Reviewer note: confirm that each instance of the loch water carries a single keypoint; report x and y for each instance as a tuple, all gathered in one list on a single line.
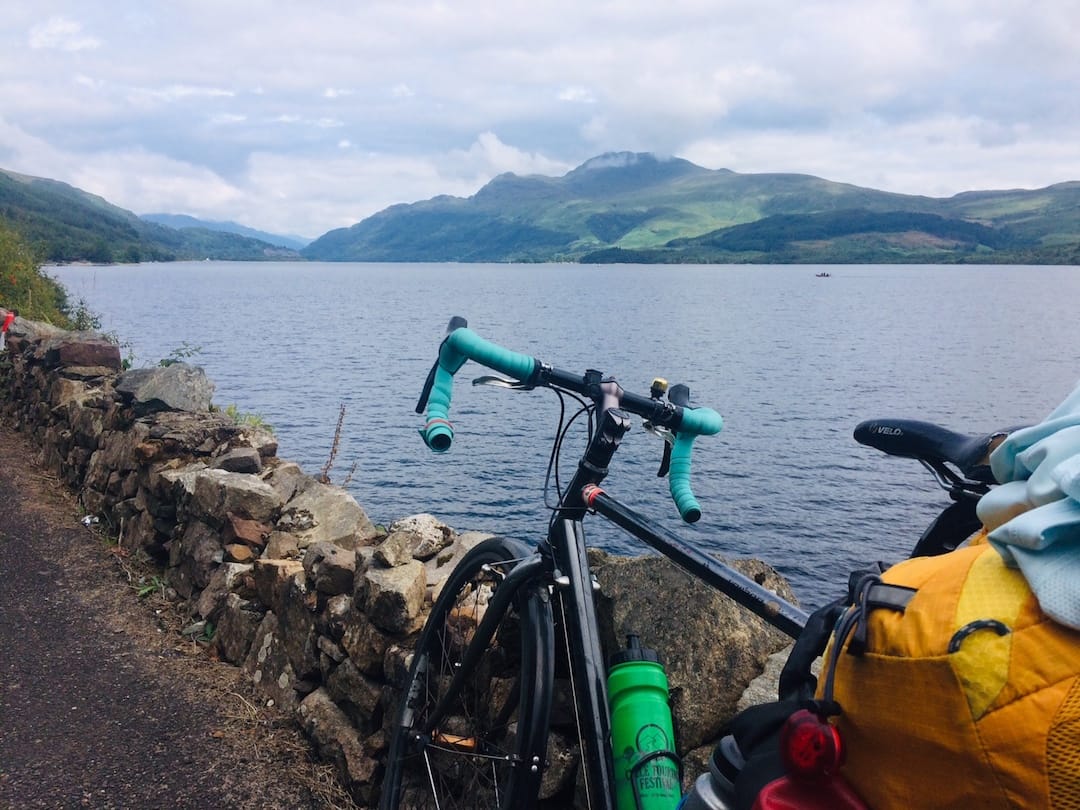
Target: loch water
[(790, 359)]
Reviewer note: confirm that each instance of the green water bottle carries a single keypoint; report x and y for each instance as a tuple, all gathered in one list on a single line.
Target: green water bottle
[(642, 738)]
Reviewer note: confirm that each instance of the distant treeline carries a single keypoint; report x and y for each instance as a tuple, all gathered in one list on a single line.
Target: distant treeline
[(779, 232), (64, 224)]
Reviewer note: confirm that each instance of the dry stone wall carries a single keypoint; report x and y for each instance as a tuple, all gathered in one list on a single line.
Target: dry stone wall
[(291, 579)]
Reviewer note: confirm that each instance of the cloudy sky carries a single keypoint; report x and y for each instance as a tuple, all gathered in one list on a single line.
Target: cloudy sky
[(298, 117)]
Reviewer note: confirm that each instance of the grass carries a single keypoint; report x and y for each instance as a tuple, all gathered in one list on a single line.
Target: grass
[(250, 419), (147, 585)]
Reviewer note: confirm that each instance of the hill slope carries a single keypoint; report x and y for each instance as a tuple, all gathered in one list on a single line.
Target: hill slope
[(65, 224), (638, 207), (184, 222)]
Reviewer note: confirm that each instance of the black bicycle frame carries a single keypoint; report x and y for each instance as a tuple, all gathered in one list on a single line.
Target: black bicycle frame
[(778, 612), (574, 587)]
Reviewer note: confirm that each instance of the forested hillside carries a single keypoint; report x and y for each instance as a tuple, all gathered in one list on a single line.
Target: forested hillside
[(629, 207), (64, 224), (623, 207)]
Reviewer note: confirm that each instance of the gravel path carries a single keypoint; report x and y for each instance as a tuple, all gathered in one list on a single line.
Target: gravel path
[(102, 703)]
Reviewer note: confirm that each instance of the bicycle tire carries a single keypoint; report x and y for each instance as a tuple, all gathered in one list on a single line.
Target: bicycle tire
[(489, 750)]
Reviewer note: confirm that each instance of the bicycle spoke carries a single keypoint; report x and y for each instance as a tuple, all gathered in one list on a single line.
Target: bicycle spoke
[(462, 749)]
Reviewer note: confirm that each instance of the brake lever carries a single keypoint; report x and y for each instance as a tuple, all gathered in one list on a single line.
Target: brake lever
[(677, 395), (665, 462), (669, 439), (425, 392), (502, 382)]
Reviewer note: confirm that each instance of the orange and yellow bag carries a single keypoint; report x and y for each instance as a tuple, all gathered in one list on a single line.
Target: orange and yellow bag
[(965, 696)]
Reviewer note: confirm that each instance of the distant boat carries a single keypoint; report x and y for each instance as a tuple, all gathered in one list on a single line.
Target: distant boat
[(821, 275)]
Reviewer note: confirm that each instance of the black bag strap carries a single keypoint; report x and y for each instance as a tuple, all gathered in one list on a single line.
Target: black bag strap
[(797, 682), (866, 592)]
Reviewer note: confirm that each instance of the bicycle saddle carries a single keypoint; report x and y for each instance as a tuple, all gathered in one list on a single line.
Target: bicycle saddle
[(932, 443)]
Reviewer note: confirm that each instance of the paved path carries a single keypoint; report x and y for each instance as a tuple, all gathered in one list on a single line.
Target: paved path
[(99, 707)]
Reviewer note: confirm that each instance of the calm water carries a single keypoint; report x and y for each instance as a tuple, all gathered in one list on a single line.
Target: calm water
[(791, 361)]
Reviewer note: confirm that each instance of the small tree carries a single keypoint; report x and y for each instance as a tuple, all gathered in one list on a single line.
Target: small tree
[(23, 286)]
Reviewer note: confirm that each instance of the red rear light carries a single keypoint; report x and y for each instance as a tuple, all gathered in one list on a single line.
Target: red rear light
[(811, 747)]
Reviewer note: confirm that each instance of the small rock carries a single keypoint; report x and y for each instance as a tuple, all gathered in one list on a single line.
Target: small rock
[(238, 552), (331, 568), (272, 577), (397, 548), (252, 532), (240, 460)]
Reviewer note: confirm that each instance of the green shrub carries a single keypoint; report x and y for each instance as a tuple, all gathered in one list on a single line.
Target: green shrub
[(23, 285)]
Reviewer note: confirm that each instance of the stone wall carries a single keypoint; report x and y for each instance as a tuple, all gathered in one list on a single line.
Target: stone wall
[(288, 576)]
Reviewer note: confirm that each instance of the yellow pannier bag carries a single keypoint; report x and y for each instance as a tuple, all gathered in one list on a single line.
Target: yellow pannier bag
[(965, 696)]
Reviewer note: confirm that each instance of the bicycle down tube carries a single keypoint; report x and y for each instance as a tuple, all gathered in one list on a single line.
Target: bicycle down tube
[(588, 673)]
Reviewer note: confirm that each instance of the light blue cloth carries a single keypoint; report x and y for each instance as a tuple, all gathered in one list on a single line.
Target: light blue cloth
[(1033, 518)]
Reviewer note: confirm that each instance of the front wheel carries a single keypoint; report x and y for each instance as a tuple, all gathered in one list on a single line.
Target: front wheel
[(486, 749)]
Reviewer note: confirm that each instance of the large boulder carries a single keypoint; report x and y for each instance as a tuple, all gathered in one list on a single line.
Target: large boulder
[(178, 387), (711, 647), (183, 434), (357, 694)]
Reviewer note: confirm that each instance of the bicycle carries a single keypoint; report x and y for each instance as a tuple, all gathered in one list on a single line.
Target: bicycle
[(472, 727), (478, 695)]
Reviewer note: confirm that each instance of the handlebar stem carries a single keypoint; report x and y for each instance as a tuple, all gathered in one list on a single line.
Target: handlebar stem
[(593, 467)]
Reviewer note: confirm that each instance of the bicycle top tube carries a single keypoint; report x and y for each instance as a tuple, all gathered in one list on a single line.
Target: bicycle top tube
[(462, 344)]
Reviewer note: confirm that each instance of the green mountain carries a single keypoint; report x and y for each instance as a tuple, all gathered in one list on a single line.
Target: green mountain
[(66, 224), (184, 222), (633, 207)]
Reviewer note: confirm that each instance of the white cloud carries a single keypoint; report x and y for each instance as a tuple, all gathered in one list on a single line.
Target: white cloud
[(331, 111), (60, 33), (576, 94), (177, 92), (150, 183), (354, 185), (89, 82), (32, 155), (134, 179), (901, 158), (595, 130), (489, 156)]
